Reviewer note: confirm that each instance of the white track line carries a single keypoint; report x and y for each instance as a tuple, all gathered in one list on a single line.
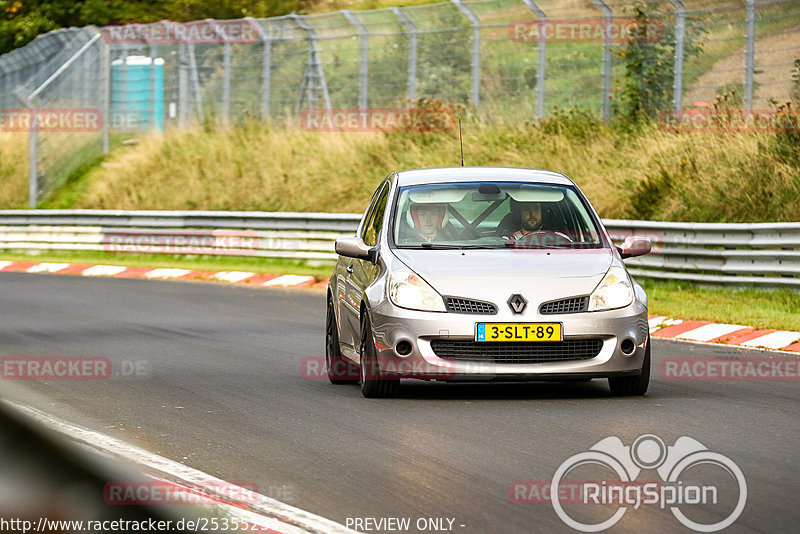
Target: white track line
[(710, 331), (166, 273), (287, 280), (293, 520), (47, 267), (103, 270), (775, 340), (233, 276)]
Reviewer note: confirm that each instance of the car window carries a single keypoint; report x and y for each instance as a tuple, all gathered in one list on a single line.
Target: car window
[(493, 215), (373, 227), (369, 213)]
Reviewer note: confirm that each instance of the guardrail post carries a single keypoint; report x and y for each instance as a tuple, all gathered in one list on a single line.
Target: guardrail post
[(476, 50), (411, 90), (680, 31), (750, 55), (542, 55), (363, 51), (608, 14)]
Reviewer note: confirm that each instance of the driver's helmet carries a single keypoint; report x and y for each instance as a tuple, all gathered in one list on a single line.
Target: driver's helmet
[(439, 211)]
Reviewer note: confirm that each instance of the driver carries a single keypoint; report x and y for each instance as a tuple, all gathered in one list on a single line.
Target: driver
[(531, 216)]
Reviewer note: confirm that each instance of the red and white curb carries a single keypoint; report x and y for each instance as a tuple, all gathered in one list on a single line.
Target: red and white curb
[(660, 326), (152, 273), (727, 334)]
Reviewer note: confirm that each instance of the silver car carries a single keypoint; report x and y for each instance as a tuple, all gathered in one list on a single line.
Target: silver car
[(475, 273)]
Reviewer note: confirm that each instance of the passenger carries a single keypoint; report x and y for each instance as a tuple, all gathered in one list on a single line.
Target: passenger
[(429, 224)]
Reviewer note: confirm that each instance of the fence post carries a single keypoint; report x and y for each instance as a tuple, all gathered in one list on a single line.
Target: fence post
[(411, 90), (680, 31), (183, 85), (476, 50), (104, 57), (313, 71), (750, 55), (266, 67), (226, 77), (152, 97), (33, 161), (363, 51), (608, 14), (198, 96), (542, 54)]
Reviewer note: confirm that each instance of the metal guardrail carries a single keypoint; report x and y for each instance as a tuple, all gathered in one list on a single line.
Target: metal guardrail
[(765, 254)]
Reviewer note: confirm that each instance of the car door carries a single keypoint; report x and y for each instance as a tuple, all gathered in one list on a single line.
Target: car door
[(352, 278)]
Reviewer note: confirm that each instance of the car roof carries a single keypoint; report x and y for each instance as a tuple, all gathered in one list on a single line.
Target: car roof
[(479, 174)]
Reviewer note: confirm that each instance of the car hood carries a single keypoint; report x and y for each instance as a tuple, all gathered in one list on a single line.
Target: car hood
[(494, 275)]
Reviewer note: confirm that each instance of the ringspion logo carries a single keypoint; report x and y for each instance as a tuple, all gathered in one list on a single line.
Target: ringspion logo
[(672, 463)]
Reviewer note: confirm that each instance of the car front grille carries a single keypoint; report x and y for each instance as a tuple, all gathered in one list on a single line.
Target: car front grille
[(458, 305), (511, 352), (571, 305)]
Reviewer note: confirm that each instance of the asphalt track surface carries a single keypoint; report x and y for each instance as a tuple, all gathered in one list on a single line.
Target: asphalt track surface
[(223, 392)]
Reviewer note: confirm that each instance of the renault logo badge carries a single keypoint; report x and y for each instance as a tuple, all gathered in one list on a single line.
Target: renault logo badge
[(517, 303)]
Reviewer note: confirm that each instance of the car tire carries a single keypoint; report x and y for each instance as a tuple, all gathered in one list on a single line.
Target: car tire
[(373, 384), (629, 386), (340, 369)]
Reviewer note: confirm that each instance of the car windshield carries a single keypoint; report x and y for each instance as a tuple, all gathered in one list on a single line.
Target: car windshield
[(493, 215)]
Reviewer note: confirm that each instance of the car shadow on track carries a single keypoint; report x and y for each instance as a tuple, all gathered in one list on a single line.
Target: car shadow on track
[(411, 389)]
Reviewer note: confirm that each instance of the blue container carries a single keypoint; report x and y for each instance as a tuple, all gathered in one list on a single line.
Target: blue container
[(137, 94)]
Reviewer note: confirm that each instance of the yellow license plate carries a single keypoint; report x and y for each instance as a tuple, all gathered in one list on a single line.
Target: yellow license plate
[(518, 332)]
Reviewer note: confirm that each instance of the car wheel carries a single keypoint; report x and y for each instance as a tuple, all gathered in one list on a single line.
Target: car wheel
[(340, 369), (372, 383), (628, 386)]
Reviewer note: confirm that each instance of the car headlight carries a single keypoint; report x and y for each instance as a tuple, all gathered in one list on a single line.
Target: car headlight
[(614, 291), (408, 290)]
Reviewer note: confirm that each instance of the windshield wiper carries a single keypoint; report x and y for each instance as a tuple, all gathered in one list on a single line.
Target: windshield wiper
[(457, 247)]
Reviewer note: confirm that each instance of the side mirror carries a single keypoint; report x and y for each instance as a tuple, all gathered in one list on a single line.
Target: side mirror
[(634, 246), (354, 247)]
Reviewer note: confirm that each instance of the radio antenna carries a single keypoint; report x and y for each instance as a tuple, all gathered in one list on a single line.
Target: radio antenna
[(461, 142)]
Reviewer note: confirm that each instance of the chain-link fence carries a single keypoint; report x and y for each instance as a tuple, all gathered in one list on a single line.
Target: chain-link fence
[(504, 58)]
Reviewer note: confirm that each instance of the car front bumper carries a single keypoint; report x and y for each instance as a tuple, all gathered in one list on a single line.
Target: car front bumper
[(393, 325)]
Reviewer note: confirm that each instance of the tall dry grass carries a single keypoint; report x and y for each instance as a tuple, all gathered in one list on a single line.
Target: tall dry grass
[(650, 175), (13, 170)]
